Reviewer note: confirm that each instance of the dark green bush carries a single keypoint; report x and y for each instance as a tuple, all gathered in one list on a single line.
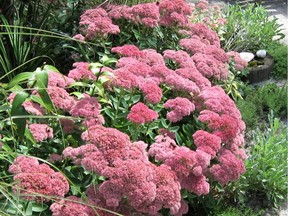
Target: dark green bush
[(258, 101), (248, 29), (265, 182), (279, 52)]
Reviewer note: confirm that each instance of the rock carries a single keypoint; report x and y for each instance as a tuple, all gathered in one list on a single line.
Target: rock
[(261, 53), (246, 56)]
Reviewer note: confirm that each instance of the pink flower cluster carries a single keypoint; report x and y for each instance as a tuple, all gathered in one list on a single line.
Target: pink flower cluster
[(89, 108), (224, 121), (72, 206), (147, 188), (81, 71), (240, 64), (180, 107), (29, 106), (96, 23), (37, 181), (210, 15), (141, 114), (172, 12), (41, 132), (188, 165), (146, 69)]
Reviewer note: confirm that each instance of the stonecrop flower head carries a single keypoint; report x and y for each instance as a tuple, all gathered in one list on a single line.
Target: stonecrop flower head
[(30, 106), (89, 108), (240, 64), (59, 80), (41, 132), (180, 107), (152, 92), (81, 71), (96, 22), (146, 14), (71, 206), (229, 169), (141, 114), (37, 181), (61, 98), (207, 142), (174, 12)]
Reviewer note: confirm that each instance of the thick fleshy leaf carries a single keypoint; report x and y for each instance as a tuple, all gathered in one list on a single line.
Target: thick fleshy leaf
[(41, 84), (17, 111)]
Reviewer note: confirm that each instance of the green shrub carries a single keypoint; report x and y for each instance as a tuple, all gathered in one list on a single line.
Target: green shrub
[(248, 29), (279, 52), (265, 181), (258, 101), (237, 212)]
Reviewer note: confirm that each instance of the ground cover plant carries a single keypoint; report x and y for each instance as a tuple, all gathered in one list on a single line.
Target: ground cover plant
[(138, 125)]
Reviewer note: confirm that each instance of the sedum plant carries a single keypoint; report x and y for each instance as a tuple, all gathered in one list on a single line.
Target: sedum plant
[(144, 130)]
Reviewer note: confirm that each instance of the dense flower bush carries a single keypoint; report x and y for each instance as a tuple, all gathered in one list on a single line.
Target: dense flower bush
[(147, 127)]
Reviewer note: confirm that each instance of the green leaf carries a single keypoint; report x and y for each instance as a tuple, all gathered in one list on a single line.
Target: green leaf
[(19, 78), (29, 136), (39, 207), (28, 211), (18, 110), (50, 68), (42, 83)]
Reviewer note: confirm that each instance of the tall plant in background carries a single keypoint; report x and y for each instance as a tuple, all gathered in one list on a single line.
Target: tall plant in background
[(248, 28), (26, 40)]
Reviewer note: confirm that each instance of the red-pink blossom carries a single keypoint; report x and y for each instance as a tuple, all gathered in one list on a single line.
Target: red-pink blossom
[(124, 78), (152, 92), (151, 57), (59, 80), (229, 169), (206, 35), (193, 45), (182, 161), (81, 71), (89, 108), (96, 23), (127, 51), (79, 37), (207, 142), (30, 106), (33, 108), (37, 181), (106, 138), (194, 75), (180, 107), (196, 184), (71, 206), (162, 148), (181, 57), (240, 64), (182, 84), (174, 12), (217, 53), (61, 98), (146, 14), (210, 67), (41, 132), (23, 164), (141, 114), (130, 178)]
